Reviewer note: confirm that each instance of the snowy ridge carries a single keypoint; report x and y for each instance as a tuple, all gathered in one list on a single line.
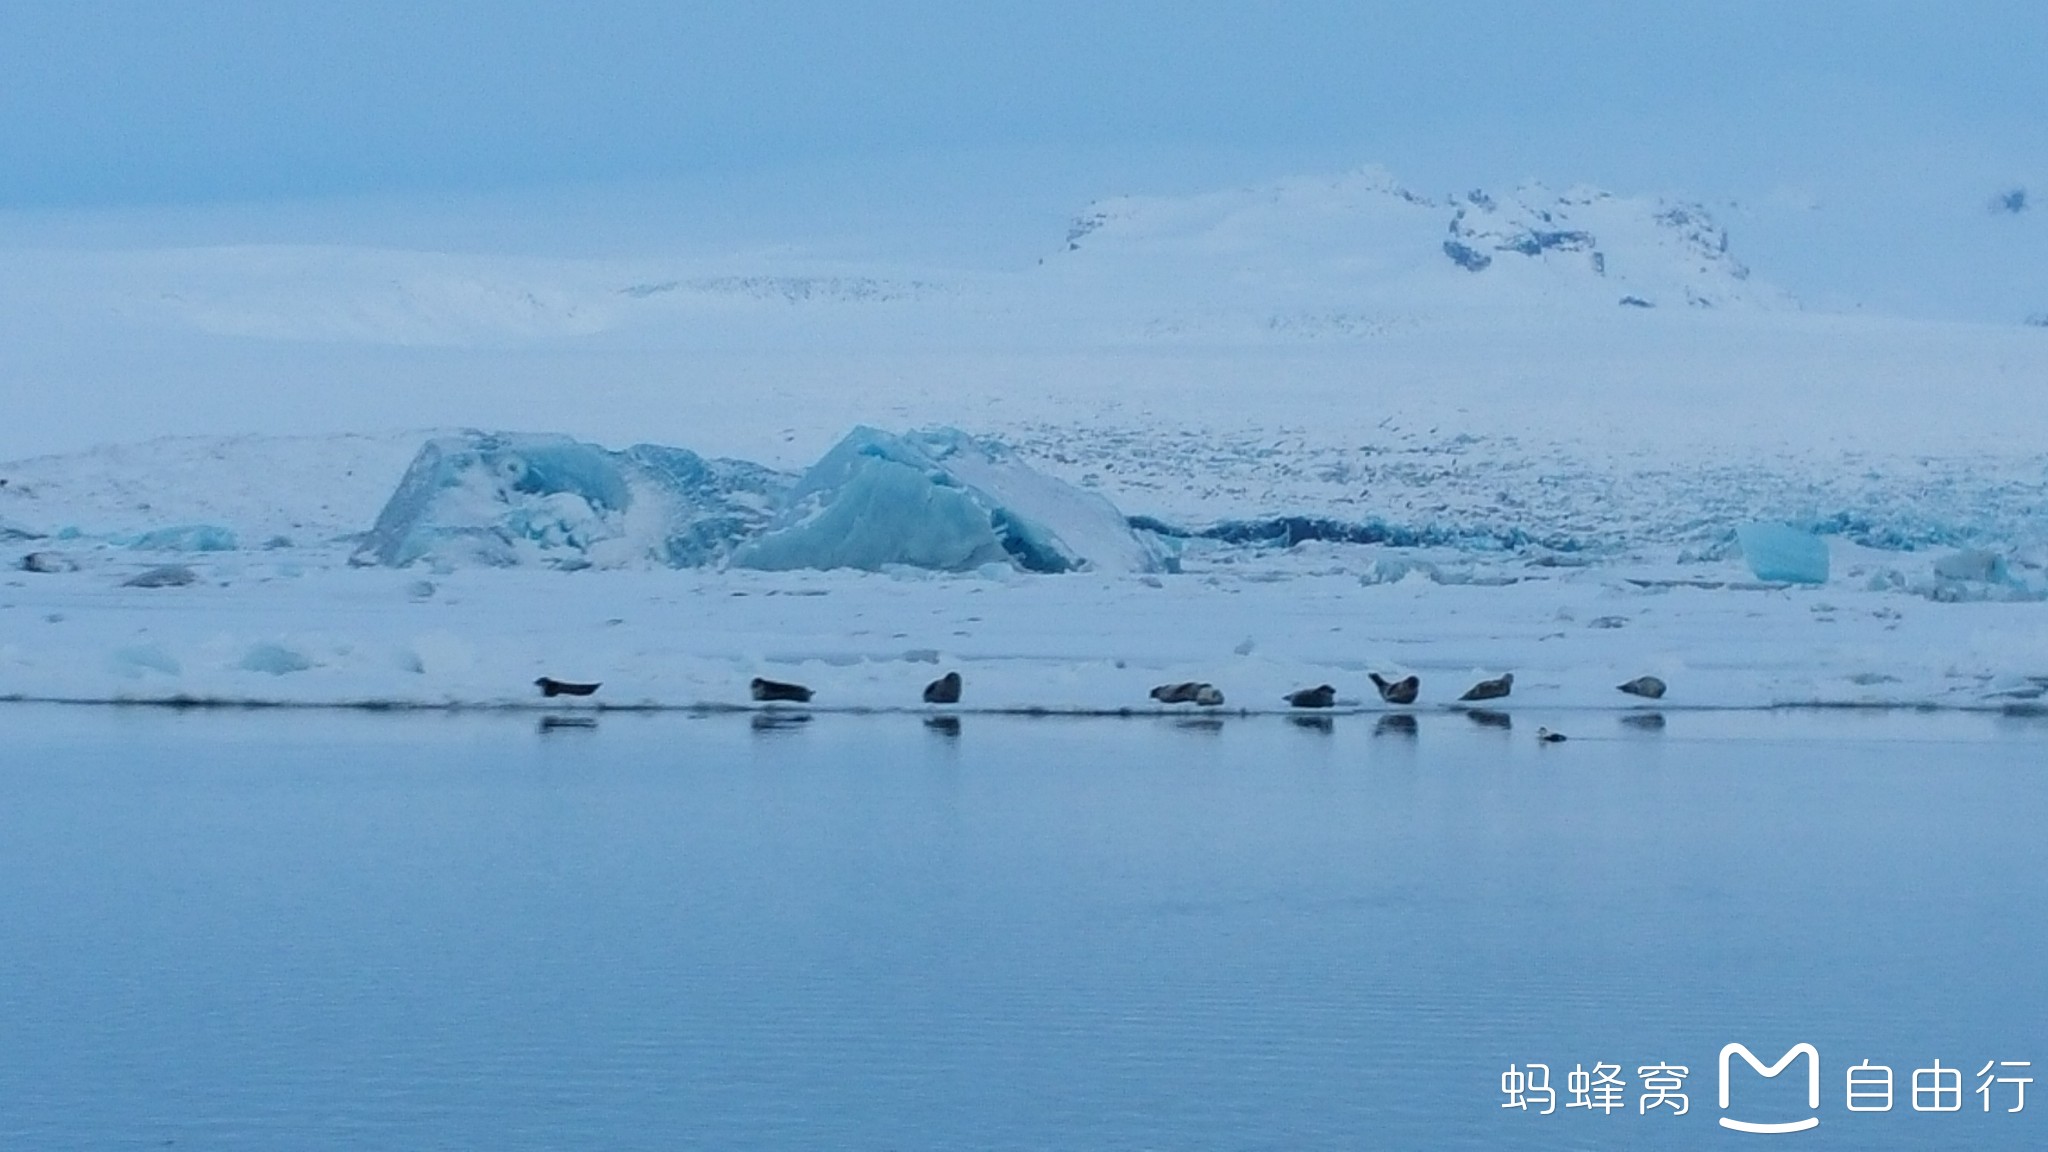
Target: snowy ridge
[(1360, 255), (1350, 257)]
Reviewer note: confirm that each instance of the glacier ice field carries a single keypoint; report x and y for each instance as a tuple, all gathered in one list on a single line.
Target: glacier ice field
[(937, 499)]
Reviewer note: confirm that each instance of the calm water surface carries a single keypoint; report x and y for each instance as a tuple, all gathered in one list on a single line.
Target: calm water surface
[(274, 931)]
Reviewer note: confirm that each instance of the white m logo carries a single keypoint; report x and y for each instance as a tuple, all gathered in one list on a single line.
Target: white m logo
[(1784, 1062)]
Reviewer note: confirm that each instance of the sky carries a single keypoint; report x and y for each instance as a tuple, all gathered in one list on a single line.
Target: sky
[(414, 123), (105, 104)]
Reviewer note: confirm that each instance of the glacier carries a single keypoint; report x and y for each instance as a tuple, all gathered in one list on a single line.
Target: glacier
[(937, 499), (945, 500), (509, 499)]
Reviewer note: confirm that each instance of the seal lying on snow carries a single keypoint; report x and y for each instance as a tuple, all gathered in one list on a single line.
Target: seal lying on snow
[(773, 690), (944, 690), (1490, 689), (1321, 696), (549, 686), (1189, 692), (1646, 686), (1400, 691)]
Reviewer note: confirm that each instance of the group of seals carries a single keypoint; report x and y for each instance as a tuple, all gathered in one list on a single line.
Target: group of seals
[(946, 690), (1402, 691), (1407, 688)]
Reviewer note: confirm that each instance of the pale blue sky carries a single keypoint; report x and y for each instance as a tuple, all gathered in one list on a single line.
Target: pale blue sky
[(142, 102)]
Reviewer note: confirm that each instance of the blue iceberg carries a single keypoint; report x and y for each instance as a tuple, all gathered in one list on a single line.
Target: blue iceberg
[(1783, 554), (508, 499), (941, 499), (187, 538), (937, 499)]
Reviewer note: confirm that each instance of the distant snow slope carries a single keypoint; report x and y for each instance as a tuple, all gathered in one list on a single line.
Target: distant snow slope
[(1305, 259), (308, 489), (1359, 254)]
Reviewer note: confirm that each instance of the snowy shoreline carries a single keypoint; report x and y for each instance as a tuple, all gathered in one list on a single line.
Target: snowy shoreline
[(1650, 715), (272, 631)]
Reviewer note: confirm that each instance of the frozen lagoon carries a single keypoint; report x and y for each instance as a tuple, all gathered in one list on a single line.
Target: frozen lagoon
[(328, 930)]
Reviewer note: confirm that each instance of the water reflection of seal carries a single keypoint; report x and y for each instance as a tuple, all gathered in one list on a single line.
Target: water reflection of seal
[(944, 690), (1400, 691), (778, 690), (1397, 724)]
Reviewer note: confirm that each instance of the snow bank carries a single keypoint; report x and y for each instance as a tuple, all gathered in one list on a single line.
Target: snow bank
[(944, 500), (693, 638)]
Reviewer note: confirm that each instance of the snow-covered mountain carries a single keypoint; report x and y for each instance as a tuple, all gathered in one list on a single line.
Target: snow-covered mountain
[(1365, 242), (1350, 256)]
